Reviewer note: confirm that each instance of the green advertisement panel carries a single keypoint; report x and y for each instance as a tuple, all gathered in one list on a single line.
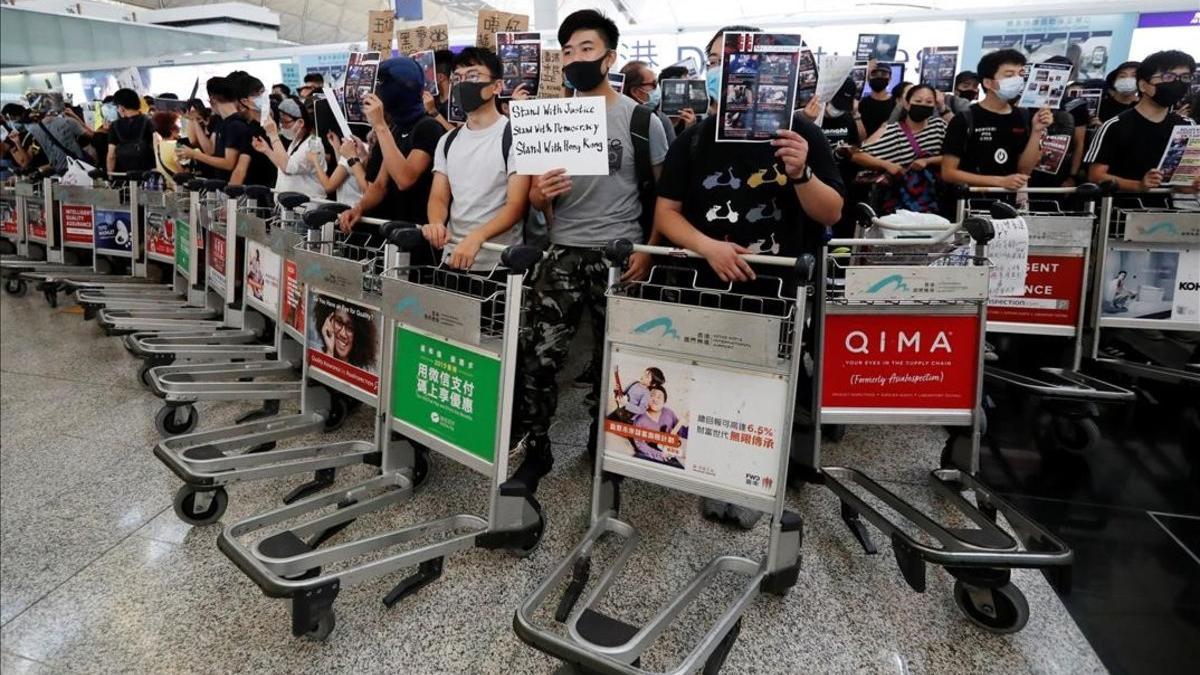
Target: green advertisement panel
[(183, 250), (447, 391)]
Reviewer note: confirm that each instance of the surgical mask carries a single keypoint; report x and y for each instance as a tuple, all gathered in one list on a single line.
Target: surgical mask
[(470, 95), (878, 84), (920, 113), (655, 98), (712, 83), (1125, 85), (108, 112), (584, 75), (1168, 94), (287, 133), (1010, 87)]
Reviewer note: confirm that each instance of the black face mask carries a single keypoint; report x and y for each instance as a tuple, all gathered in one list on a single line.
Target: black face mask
[(878, 84), (470, 95), (1168, 94), (920, 113), (969, 94), (584, 75)]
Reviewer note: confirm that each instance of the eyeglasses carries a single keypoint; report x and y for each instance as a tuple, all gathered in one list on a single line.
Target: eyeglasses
[(471, 77), (342, 326), (1186, 78)]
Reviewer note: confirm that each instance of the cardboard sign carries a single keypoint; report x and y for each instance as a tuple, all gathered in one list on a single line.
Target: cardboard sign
[(77, 223), (1052, 287), (886, 360), (560, 133), (520, 61), (361, 72), (413, 39), (1180, 162), (492, 21), (380, 25), (680, 94), (881, 47), (550, 81), (759, 72), (1045, 85)]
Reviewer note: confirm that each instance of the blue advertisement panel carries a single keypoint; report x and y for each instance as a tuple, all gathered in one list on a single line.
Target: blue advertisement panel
[(113, 230), (1095, 44)]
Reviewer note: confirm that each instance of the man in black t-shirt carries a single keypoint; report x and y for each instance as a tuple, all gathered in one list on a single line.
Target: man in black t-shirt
[(131, 136), (993, 144), (250, 95), (210, 154), (877, 108), (839, 124), (1128, 147)]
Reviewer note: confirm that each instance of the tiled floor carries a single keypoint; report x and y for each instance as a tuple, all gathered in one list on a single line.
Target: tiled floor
[(98, 575)]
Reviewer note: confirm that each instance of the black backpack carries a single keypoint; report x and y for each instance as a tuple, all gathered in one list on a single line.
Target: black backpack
[(132, 153), (639, 131), (505, 144)]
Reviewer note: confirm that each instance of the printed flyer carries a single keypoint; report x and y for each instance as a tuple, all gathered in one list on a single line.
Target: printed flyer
[(1180, 163), (1054, 151), (160, 235), (1044, 85), (938, 66), (77, 224), (806, 80), (262, 277), (113, 231), (881, 47), (426, 61), (520, 62), (712, 424), (343, 341), (361, 72), (759, 72)]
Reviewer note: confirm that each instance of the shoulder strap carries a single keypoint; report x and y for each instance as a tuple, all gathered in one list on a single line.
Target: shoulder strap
[(912, 139), (449, 139), (505, 143), (639, 130), (57, 143)]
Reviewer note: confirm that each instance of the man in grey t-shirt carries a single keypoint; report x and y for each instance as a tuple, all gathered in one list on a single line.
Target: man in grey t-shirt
[(584, 214)]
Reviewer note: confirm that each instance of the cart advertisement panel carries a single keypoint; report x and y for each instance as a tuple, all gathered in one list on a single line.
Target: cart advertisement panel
[(446, 390), (8, 219), (1179, 227), (262, 277), (35, 221), (183, 252), (160, 235), (1156, 284), (293, 297), (712, 424), (343, 341), (114, 231), (216, 261), (892, 360), (77, 223), (1052, 287)]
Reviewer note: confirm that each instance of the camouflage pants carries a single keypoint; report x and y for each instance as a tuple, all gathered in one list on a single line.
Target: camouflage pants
[(565, 283)]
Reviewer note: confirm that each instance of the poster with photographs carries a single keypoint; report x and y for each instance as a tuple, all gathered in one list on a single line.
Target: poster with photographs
[(426, 61), (1152, 283), (1054, 151), (1180, 163), (938, 66), (1045, 84), (714, 425), (1092, 98), (859, 74), (520, 62), (806, 81), (361, 72), (758, 85), (680, 95), (878, 46), (454, 109), (263, 267), (344, 341)]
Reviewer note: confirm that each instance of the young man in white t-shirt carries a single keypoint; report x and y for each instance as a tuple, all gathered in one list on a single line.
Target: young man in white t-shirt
[(476, 195)]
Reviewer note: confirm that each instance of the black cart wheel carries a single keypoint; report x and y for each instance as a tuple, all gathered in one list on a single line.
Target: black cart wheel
[(420, 465), (1076, 435), (167, 421), (50, 292), (339, 409), (16, 287), (535, 537), (185, 505), (143, 373), (1007, 611), (322, 628)]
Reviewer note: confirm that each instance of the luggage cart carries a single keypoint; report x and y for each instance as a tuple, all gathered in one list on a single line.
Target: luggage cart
[(40, 250), (465, 325), (741, 355), (1063, 401), (12, 237), (267, 235), (1146, 286), (208, 461), (900, 340)]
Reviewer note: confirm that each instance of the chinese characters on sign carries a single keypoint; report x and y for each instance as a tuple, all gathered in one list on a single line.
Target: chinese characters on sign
[(415, 39), (491, 22), (379, 31), (550, 85)]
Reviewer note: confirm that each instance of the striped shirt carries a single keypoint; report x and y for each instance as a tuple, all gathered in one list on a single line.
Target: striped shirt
[(893, 145)]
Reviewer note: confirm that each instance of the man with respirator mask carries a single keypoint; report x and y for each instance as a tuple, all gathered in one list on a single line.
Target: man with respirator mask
[(584, 214), (993, 143), (476, 195), (1128, 147)]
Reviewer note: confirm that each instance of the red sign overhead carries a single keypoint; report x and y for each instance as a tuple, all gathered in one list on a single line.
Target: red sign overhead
[(900, 361), (1052, 287)]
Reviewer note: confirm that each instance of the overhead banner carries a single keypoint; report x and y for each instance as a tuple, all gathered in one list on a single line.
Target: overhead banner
[(1094, 44)]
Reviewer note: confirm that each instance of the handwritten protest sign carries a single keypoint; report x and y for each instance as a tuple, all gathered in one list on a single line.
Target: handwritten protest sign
[(413, 39), (550, 84), (492, 21), (379, 31), (560, 133)]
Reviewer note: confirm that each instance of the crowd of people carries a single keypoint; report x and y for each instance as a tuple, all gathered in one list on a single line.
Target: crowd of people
[(669, 181)]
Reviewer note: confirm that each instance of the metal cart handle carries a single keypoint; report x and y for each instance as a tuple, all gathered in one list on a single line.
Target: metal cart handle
[(518, 258), (619, 250), (1084, 189), (980, 229)]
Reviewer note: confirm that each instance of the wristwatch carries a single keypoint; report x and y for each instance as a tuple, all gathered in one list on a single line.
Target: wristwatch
[(352, 162), (806, 176)]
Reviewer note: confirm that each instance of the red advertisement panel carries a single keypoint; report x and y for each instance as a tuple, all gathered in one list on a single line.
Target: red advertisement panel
[(216, 253), (160, 234), (8, 219), (35, 220), (900, 361), (343, 371), (293, 297), (1052, 287), (77, 223)]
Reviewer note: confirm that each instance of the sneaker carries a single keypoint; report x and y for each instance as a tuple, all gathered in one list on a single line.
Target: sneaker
[(537, 461)]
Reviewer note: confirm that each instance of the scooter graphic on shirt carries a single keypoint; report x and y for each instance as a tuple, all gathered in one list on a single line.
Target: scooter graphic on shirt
[(761, 212), (714, 213), (714, 181), (761, 246), (760, 177)]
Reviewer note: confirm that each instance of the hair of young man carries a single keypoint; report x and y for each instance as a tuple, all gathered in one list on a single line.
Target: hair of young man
[(673, 73), (218, 90), (478, 56), (990, 64), (283, 88), (244, 85), (15, 110), (443, 62), (729, 29), (128, 99), (1164, 61), (315, 78), (898, 89), (589, 19)]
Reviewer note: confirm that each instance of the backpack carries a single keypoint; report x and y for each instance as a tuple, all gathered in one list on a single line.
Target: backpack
[(131, 153), (505, 144), (639, 131)]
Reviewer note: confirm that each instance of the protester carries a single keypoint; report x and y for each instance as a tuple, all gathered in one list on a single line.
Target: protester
[(876, 108), (131, 137), (839, 124), (438, 106), (1070, 126), (211, 152), (584, 214), (992, 143), (240, 129), (314, 83), (55, 135), (289, 146), (642, 86), (909, 151), (1120, 91), (966, 91), (25, 149), (166, 137), (477, 196), (348, 181), (281, 90)]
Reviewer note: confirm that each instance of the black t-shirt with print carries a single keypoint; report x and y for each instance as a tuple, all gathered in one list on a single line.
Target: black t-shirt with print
[(875, 112), (239, 134), (840, 129), (411, 204), (995, 144), (1131, 145), (738, 192)]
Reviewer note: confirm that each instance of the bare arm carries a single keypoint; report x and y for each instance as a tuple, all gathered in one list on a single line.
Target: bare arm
[(1098, 173), (239, 172), (1080, 137)]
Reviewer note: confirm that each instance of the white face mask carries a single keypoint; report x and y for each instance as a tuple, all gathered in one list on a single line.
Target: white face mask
[(1010, 87), (833, 111), (1125, 85)]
